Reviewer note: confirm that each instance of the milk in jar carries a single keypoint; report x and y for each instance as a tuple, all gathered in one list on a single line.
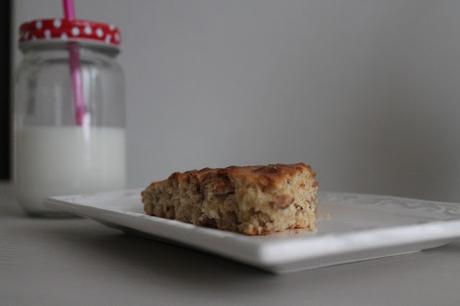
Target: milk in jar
[(67, 160)]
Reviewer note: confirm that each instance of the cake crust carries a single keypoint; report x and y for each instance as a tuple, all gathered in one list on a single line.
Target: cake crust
[(252, 200)]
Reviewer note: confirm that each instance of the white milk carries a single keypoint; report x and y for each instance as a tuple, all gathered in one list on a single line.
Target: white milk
[(67, 160)]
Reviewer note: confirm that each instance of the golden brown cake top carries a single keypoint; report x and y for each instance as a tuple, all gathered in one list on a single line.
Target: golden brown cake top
[(267, 177)]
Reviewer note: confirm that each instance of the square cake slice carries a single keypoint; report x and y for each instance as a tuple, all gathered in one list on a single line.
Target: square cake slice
[(253, 200)]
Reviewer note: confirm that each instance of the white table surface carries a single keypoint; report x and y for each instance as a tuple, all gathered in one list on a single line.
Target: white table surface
[(79, 262)]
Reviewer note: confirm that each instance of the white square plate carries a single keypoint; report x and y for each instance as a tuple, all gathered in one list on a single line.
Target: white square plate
[(351, 227)]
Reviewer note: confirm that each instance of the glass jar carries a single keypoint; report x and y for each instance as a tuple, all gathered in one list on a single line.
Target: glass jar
[(69, 112)]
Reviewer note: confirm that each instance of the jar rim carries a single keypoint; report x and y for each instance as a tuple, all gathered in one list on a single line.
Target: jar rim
[(33, 45)]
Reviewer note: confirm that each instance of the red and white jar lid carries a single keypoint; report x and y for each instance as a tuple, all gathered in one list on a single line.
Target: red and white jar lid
[(60, 29)]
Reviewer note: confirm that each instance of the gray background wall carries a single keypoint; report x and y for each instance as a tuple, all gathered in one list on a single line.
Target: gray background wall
[(366, 91)]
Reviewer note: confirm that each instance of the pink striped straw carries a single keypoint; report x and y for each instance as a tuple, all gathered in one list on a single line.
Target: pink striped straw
[(75, 71)]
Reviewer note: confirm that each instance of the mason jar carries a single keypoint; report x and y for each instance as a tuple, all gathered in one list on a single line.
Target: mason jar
[(69, 112)]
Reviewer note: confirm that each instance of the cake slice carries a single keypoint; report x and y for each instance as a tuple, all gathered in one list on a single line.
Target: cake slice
[(252, 200)]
